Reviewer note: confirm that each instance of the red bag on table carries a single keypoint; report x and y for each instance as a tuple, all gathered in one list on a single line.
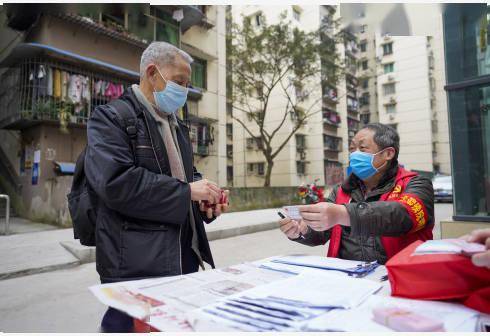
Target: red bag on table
[(439, 277)]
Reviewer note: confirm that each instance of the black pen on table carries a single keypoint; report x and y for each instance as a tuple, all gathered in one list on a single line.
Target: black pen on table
[(283, 216)]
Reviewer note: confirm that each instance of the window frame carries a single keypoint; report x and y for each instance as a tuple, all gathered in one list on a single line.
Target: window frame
[(204, 64), (388, 106), (391, 65), (388, 47), (385, 86)]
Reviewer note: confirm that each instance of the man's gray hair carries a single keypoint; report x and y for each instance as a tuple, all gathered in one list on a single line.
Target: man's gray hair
[(162, 54), (385, 136)]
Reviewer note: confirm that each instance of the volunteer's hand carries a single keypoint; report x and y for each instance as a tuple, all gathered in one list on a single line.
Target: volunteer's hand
[(483, 237), (323, 216), (292, 228), (205, 190)]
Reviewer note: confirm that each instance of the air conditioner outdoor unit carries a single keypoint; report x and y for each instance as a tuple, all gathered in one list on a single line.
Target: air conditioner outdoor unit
[(302, 155), (392, 117), (230, 153), (391, 78), (392, 100)]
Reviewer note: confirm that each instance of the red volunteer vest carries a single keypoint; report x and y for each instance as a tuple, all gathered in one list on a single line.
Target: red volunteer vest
[(416, 209)]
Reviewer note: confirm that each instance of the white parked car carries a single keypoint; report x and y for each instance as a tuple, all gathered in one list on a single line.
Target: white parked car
[(443, 188)]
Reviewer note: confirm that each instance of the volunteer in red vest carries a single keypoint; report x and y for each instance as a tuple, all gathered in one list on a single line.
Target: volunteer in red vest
[(377, 211)]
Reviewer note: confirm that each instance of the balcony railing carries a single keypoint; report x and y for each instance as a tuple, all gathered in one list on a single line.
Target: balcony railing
[(46, 90), (352, 124), (352, 105), (331, 117), (201, 134), (202, 150), (332, 143), (330, 95)]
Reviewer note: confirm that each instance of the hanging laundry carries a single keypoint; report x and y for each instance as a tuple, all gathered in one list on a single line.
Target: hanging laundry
[(41, 81), (75, 89), (57, 83), (32, 83), (86, 89), (98, 87), (112, 91), (50, 81), (64, 85)]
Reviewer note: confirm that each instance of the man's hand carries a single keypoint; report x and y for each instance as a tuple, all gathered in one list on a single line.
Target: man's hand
[(323, 216), (482, 237), (205, 190), (216, 209), (292, 228)]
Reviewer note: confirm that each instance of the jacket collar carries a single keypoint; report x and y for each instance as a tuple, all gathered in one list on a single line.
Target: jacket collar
[(130, 97)]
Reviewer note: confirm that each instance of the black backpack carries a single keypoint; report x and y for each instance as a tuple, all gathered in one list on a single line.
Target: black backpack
[(82, 199)]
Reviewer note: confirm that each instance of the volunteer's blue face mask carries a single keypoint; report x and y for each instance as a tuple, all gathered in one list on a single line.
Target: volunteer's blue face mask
[(172, 97), (361, 164)]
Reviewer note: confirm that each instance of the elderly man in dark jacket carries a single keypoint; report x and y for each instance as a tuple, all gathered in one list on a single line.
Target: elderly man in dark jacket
[(149, 217), (377, 211)]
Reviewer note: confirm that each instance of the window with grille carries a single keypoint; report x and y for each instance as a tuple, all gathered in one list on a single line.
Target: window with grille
[(198, 75), (300, 142), (296, 14), (301, 167), (389, 67), (388, 49), (363, 46), (260, 168), (388, 89), (391, 108), (229, 151)]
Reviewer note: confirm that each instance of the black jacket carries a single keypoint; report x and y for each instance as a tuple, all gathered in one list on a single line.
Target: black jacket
[(143, 227), (370, 218)]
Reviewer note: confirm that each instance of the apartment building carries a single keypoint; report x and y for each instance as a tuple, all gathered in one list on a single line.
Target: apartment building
[(402, 78), (43, 119), (411, 96), (367, 72)]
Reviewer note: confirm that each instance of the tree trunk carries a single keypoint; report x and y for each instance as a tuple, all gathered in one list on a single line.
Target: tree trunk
[(268, 172)]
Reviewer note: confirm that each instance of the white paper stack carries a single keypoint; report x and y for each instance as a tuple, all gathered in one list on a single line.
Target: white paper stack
[(284, 305)]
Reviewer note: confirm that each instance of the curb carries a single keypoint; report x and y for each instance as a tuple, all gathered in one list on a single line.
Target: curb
[(32, 271), (240, 230)]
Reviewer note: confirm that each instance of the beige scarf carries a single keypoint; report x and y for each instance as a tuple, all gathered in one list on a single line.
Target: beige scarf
[(167, 125)]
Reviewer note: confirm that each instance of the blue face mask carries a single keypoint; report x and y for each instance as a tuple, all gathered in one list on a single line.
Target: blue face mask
[(361, 164), (171, 98)]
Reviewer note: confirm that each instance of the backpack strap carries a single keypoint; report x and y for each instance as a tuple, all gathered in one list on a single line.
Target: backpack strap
[(128, 117)]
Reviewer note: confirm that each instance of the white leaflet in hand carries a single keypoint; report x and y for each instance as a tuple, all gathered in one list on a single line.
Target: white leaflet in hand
[(292, 211)]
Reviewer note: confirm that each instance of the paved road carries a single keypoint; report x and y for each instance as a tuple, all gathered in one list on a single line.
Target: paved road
[(59, 301)]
